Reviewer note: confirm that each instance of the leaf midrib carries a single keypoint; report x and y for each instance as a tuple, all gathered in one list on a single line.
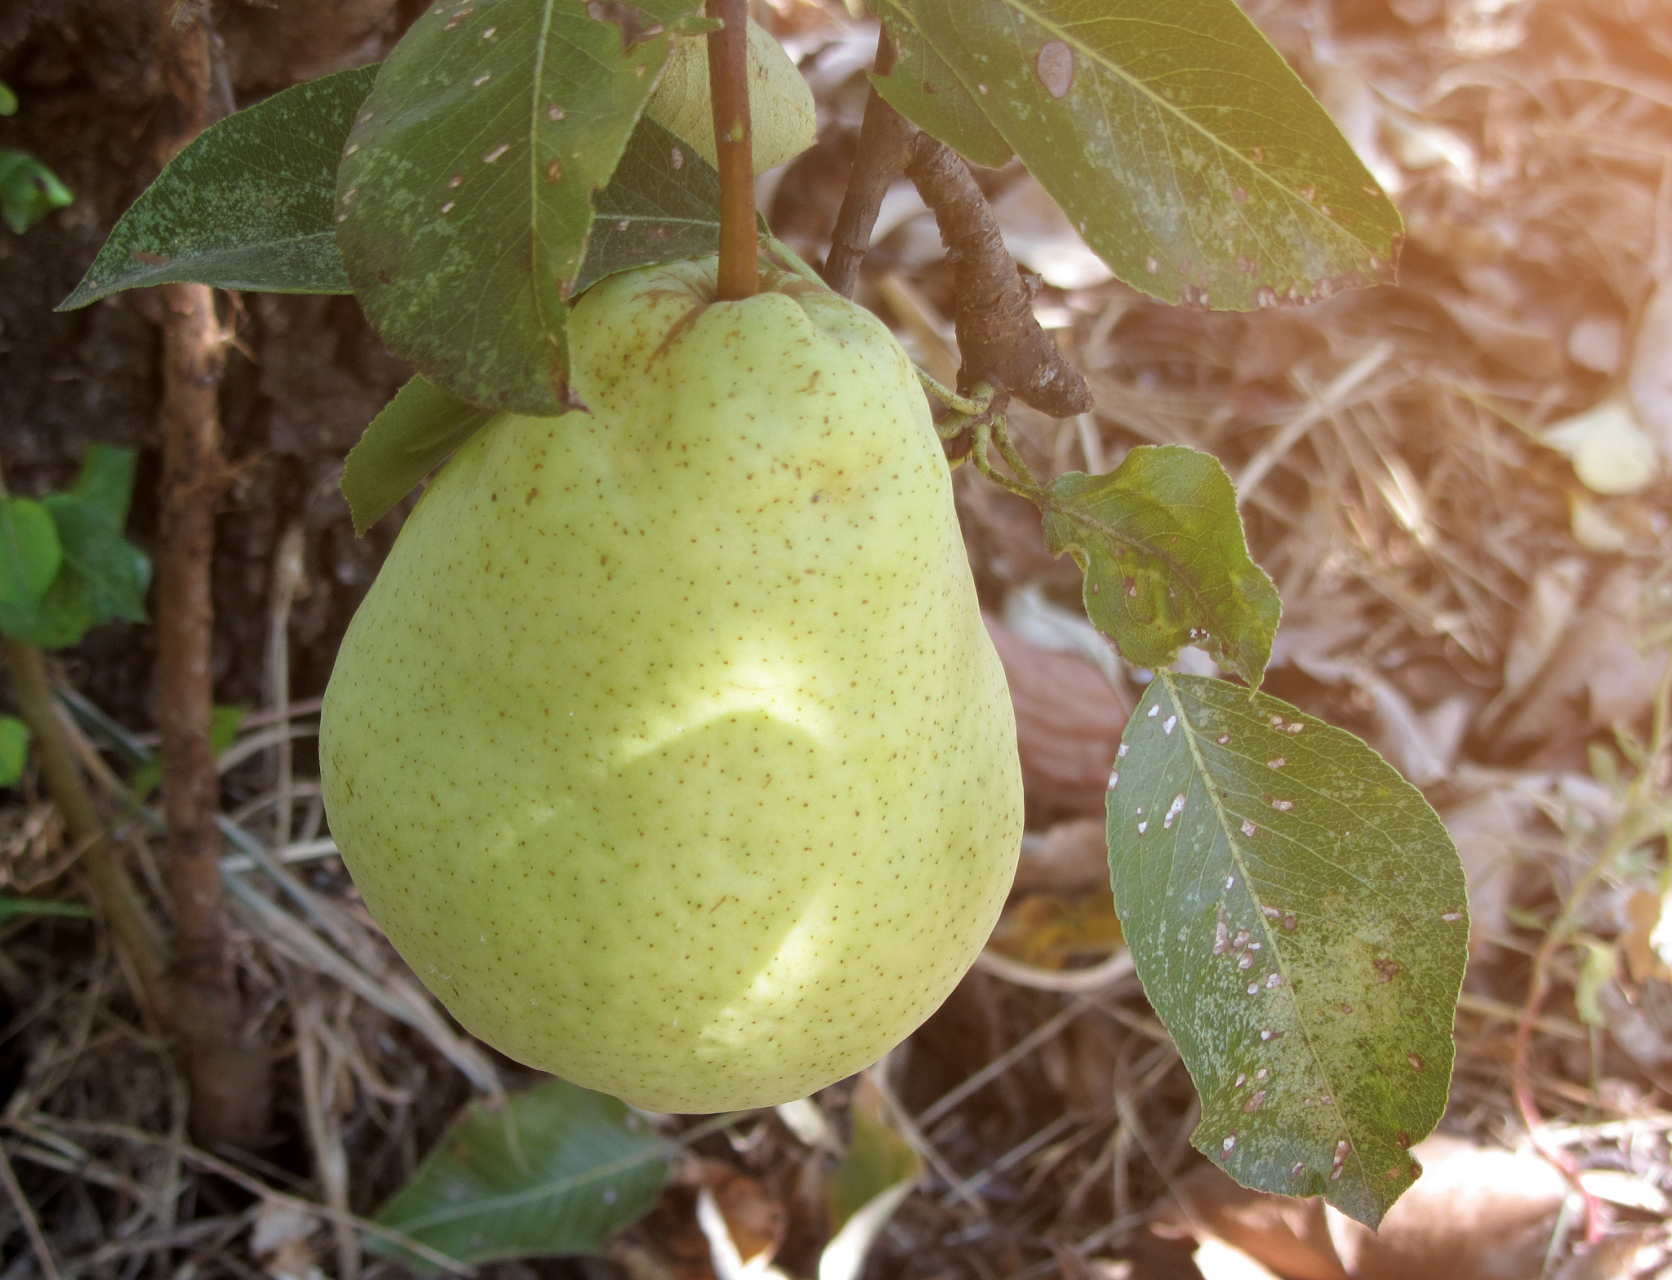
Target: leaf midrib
[(517, 1199), (535, 208), (1271, 939)]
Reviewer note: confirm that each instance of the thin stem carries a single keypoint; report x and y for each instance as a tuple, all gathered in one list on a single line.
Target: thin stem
[(136, 932), (979, 400), (728, 87), (885, 142), (1012, 455), (31, 1224), (1627, 831), (1021, 488)]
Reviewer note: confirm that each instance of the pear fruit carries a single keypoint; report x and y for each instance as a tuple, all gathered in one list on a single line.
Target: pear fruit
[(783, 119), (668, 747)]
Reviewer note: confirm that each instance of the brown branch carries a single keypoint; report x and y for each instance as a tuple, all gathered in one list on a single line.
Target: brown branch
[(728, 87), (998, 337), (229, 1076), (885, 148)]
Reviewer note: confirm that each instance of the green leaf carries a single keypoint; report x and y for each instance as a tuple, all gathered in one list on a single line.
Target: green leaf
[(925, 90), (1166, 565), (28, 190), (867, 1186), (113, 570), (247, 205), (877, 1159), (662, 205), (413, 435), (62, 615), (14, 749), (1297, 914), (107, 481), (1191, 158), (224, 723), (465, 195), (29, 552), (8, 100), (555, 1170), (101, 575), (11, 907), (1596, 971)]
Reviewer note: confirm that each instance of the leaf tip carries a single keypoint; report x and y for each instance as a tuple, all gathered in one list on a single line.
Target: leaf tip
[(85, 293)]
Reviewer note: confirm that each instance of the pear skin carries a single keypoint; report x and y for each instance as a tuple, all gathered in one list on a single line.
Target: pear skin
[(668, 747)]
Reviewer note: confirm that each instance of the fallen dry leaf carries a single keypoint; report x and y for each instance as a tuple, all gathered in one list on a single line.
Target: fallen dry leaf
[(1640, 1021), (1642, 912), (1597, 342), (1624, 1255), (1491, 831), (1475, 1214), (1068, 724), (1609, 447), (1285, 1235), (1070, 857), (1595, 679), (1649, 379), (1050, 930)]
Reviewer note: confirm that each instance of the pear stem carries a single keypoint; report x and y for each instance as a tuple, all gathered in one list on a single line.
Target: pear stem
[(728, 87)]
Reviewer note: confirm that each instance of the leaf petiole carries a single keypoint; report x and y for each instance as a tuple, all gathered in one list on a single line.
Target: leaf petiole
[(993, 433), (978, 402)]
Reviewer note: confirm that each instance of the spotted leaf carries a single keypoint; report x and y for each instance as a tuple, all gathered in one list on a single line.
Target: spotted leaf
[(924, 89), (1166, 564), (1176, 139), (1297, 915), (247, 205), (464, 202)]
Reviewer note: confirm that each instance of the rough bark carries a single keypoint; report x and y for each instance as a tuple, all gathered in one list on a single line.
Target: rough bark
[(1000, 341), (229, 1075), (885, 147), (998, 337)]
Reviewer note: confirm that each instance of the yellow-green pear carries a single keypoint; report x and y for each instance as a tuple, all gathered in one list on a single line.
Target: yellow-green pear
[(669, 748), (782, 117)]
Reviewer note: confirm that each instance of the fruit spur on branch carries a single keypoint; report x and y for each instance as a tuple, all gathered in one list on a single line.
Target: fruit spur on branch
[(669, 747)]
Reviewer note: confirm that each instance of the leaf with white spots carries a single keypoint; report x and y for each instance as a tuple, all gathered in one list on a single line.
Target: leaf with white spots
[(924, 89), (1191, 158), (1166, 565), (465, 194), (247, 205), (551, 1171), (662, 204), (1297, 914)]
